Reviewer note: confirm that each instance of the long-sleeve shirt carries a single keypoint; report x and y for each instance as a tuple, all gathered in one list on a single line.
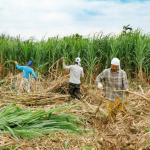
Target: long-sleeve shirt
[(113, 81), (75, 73), (26, 71)]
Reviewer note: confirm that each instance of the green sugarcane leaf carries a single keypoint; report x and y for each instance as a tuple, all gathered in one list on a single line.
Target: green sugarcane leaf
[(3, 110), (11, 132), (7, 111), (66, 145), (25, 122), (27, 133)]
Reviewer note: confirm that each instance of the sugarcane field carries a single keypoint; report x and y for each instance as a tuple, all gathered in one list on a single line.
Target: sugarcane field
[(81, 93)]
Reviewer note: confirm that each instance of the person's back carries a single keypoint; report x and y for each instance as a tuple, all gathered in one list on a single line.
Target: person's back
[(26, 71), (76, 72)]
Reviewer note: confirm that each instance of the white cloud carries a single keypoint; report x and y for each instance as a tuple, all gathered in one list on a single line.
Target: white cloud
[(65, 17)]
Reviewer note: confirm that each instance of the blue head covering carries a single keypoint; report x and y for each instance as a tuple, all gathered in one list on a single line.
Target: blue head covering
[(30, 63)]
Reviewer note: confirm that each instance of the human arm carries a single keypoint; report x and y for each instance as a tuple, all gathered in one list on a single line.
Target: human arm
[(33, 73), (125, 84), (64, 65), (82, 73), (125, 81), (99, 79), (19, 67)]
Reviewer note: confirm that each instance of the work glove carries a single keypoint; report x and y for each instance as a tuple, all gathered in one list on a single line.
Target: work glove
[(100, 86), (15, 62)]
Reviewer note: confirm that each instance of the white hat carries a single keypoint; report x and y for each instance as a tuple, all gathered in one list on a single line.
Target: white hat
[(77, 60), (115, 61)]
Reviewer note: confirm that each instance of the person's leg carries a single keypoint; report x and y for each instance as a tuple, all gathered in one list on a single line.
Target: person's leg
[(21, 84), (71, 90), (112, 111), (28, 85), (121, 107), (77, 92)]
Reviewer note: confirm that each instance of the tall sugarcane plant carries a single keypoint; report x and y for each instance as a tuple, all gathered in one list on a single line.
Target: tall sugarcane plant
[(131, 47), (141, 53)]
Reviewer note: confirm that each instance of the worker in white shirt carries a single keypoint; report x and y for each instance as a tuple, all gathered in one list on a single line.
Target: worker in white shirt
[(76, 72)]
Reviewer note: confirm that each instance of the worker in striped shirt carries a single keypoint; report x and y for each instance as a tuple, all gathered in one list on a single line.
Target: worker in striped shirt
[(114, 79)]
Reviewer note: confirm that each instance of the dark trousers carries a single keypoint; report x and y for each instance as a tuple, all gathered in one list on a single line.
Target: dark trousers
[(74, 90)]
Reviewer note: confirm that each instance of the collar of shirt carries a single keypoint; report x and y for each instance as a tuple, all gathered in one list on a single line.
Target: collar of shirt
[(115, 72)]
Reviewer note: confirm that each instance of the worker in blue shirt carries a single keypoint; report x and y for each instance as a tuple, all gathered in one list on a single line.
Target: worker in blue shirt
[(27, 72)]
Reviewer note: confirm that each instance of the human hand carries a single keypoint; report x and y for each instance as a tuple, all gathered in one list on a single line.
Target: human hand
[(15, 62), (63, 59), (100, 86)]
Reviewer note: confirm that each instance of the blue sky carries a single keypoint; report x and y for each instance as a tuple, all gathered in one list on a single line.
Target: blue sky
[(30, 18)]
